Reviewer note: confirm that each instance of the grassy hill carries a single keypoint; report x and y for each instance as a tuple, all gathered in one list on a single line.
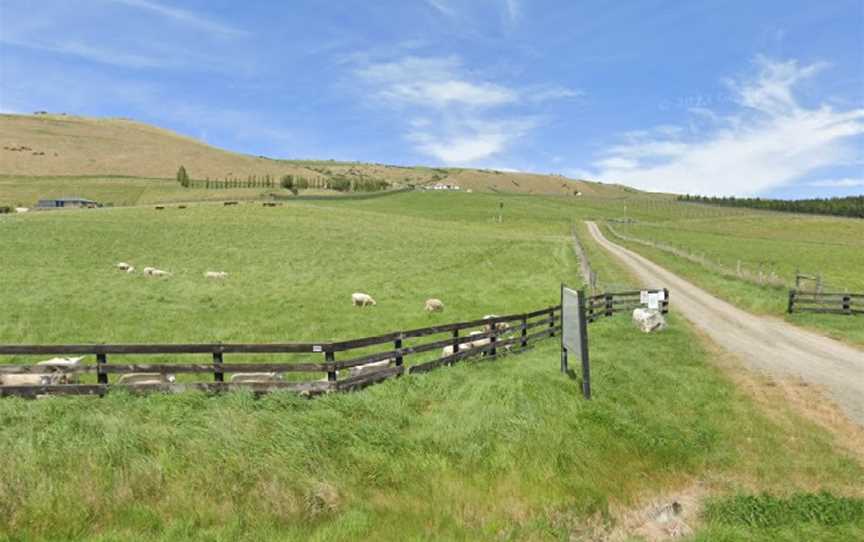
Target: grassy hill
[(55, 148), (502, 450)]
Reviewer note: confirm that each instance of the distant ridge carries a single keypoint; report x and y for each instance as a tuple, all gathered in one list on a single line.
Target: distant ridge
[(66, 145)]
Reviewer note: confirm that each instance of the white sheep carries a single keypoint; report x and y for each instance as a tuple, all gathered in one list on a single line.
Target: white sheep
[(216, 275), (123, 266), (359, 299), (253, 378), (62, 377), (370, 367), (153, 272), (143, 379), (500, 327), (39, 379), (434, 305)]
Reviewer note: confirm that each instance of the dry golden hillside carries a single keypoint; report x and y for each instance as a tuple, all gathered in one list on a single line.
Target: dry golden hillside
[(63, 145)]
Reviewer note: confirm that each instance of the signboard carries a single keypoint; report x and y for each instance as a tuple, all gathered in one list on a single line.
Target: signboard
[(574, 334), (652, 298), (571, 316)]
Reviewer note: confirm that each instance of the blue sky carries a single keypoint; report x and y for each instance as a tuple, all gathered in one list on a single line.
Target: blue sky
[(711, 97)]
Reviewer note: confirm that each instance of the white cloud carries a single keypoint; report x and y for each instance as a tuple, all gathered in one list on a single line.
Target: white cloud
[(838, 183), (770, 142), (433, 82), (95, 54), (451, 112), (468, 141), (442, 6), (186, 17), (513, 9)]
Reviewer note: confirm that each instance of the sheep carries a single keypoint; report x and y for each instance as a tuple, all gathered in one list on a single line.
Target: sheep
[(62, 377), (40, 379), (123, 266), (216, 275), (143, 379), (22, 209), (434, 305), (450, 349), (359, 299), (500, 327), (153, 272), (370, 367), (254, 378)]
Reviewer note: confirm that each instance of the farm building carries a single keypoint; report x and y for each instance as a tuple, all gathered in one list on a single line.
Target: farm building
[(66, 203)]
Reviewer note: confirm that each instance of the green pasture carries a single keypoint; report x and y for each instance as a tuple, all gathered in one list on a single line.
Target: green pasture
[(484, 450)]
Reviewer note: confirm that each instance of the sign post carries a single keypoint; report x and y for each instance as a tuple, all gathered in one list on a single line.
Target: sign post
[(574, 334)]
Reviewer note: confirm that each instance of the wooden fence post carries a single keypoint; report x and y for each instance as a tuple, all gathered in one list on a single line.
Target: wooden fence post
[(397, 345), (665, 304), (791, 307), (524, 343), (101, 376), (493, 339), (218, 375), (583, 343), (847, 304), (330, 357), (455, 345), (552, 323), (609, 305)]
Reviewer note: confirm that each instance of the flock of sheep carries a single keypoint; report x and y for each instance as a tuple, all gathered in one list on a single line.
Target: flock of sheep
[(53, 376), (154, 272), (359, 299)]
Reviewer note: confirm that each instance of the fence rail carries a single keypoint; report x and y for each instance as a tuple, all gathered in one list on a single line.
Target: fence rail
[(822, 302), (607, 304), (496, 334)]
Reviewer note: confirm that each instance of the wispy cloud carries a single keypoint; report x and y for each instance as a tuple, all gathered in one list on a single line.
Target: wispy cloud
[(838, 183), (95, 54), (432, 82), (451, 115), (513, 10), (442, 6), (771, 141), (510, 11), (189, 18)]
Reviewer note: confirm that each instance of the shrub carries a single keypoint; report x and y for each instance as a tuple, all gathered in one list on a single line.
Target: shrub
[(182, 177)]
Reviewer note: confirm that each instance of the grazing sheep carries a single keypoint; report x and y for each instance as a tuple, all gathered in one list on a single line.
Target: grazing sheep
[(153, 272), (478, 343), (21, 209), (216, 275), (500, 327), (434, 305), (254, 378), (40, 379), (62, 377), (143, 379), (370, 367), (359, 299), (123, 266)]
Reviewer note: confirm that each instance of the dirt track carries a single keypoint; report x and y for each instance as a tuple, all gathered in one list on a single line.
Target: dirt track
[(763, 343)]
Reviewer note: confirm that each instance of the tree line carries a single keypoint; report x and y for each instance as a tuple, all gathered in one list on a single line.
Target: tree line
[(851, 206), (293, 183)]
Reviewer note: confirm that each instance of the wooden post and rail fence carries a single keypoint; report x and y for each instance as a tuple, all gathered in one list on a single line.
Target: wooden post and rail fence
[(607, 304), (500, 333), (822, 302)]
